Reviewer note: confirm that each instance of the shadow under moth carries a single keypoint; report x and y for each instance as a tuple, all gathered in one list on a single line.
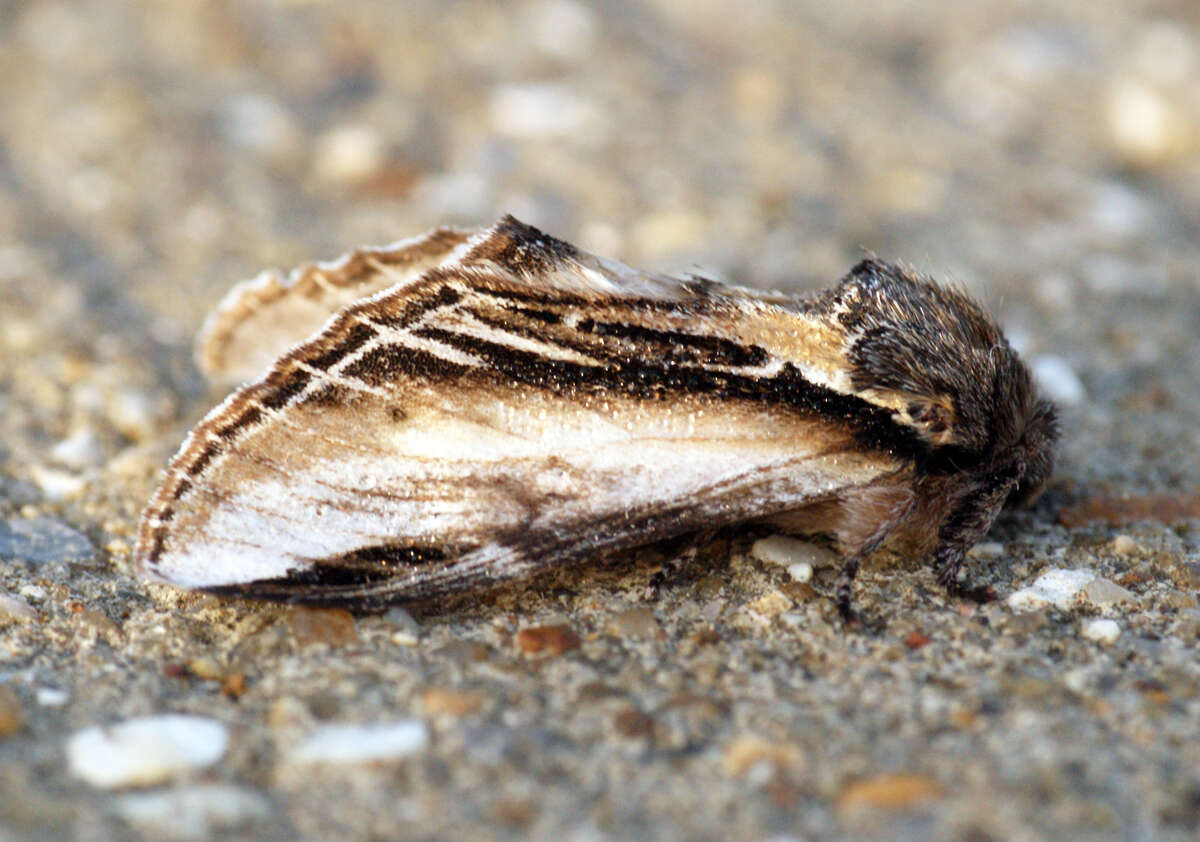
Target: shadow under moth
[(467, 408)]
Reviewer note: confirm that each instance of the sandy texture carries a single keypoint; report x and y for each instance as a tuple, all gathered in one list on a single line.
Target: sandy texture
[(1042, 156)]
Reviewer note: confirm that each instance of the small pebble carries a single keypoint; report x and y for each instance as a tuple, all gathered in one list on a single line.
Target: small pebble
[(744, 753), (331, 626), (986, 550), (632, 723), (261, 125), (801, 571), (889, 792), (1103, 592), (349, 155), (57, 485), (136, 413), (786, 551), (79, 450), (51, 697), (353, 743), (635, 623), (1058, 380), (1056, 586), (195, 812), (145, 751), (438, 700), (547, 640), (42, 539), (1146, 127), (546, 111), (13, 608), (1123, 545), (408, 631), (1102, 631)]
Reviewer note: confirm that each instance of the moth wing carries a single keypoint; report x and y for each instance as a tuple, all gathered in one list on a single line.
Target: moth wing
[(440, 483), (261, 318), (520, 405)]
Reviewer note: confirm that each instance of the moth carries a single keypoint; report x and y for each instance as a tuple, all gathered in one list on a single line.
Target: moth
[(465, 408)]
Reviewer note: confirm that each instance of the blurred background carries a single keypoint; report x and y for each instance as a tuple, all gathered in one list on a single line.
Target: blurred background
[(1043, 155)]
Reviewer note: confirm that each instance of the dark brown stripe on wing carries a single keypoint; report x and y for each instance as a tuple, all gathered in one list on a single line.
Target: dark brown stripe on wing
[(358, 336), (387, 363), (675, 344)]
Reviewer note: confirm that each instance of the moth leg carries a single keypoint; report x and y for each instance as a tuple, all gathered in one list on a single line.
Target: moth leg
[(845, 588), (677, 561), (967, 524)]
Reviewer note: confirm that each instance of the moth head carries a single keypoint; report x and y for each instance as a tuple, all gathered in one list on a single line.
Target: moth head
[(930, 354), (1035, 450)]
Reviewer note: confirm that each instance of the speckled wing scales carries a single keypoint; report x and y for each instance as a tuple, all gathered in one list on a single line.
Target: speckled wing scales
[(261, 318), (518, 405)]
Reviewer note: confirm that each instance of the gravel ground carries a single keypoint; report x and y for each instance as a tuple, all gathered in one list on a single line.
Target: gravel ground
[(1043, 156)]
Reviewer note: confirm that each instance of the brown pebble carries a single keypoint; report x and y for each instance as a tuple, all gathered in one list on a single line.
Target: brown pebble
[(632, 723), (439, 700), (547, 640), (915, 640), (515, 812), (11, 716), (205, 668), (799, 591), (1118, 511), (331, 626), (744, 753), (234, 685), (889, 792), (174, 669), (705, 637), (1153, 691)]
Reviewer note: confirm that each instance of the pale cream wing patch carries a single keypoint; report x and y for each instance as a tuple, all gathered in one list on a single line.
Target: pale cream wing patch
[(261, 318), (433, 489)]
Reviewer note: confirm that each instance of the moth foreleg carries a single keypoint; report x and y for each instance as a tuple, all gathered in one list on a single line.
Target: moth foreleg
[(679, 559), (967, 523)]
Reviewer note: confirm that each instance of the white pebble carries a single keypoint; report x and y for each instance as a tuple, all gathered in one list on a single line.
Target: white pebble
[(987, 550), (349, 154), (1102, 631), (1125, 546), (801, 571), (51, 697), (546, 111), (1057, 587), (1058, 380), (785, 551), (349, 743), (1146, 127), (16, 609), (57, 485), (195, 812), (79, 450), (145, 751)]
